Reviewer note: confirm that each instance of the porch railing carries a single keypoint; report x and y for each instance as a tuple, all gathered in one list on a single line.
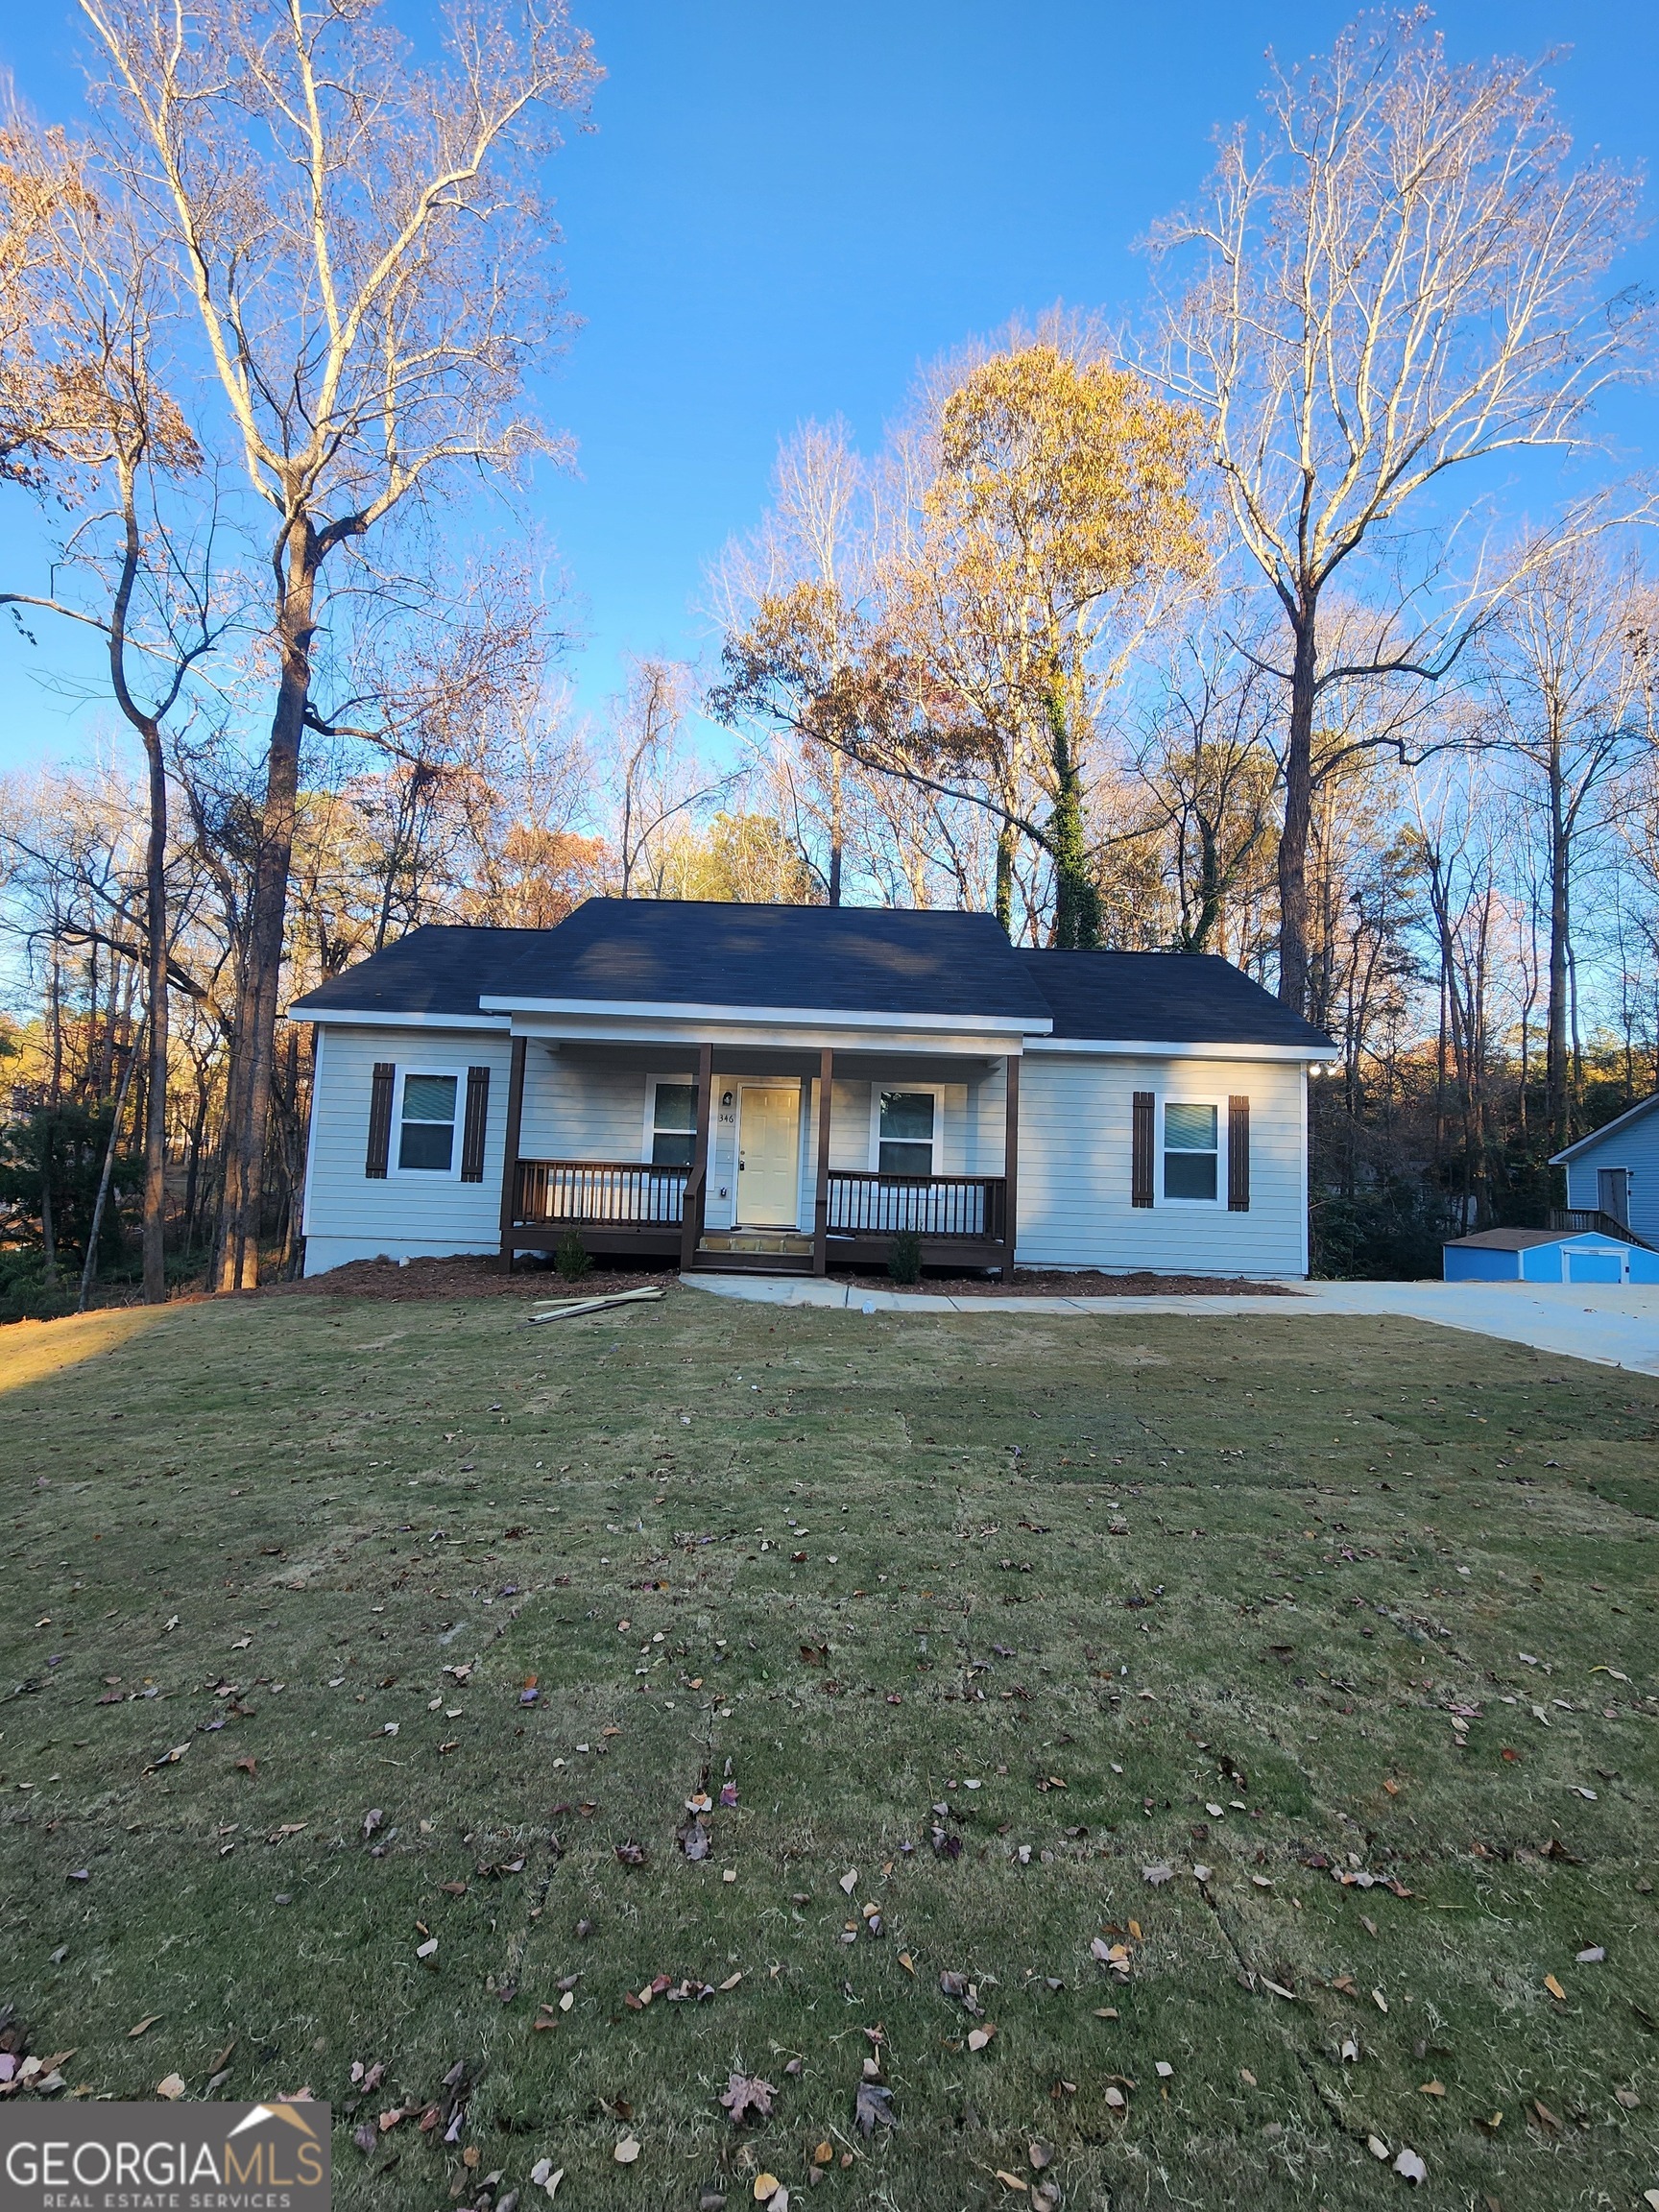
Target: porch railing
[(599, 1190), (929, 1205), (1581, 1219)]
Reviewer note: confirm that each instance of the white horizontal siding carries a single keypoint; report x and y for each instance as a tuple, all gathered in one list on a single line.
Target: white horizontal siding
[(1635, 1147), (582, 1109), (351, 1215), (1074, 1169)]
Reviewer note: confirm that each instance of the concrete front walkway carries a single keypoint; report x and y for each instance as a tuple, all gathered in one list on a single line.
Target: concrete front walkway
[(1615, 1325)]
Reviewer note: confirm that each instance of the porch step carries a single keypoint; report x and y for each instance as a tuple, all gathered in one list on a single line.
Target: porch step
[(754, 1262), (775, 1240)]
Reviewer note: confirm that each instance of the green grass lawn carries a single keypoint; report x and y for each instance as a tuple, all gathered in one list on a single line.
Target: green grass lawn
[(1286, 1598)]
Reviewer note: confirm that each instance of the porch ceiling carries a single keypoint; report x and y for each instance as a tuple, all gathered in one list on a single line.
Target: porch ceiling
[(893, 1066)]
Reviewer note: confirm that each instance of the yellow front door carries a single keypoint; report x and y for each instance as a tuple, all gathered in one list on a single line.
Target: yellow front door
[(768, 1140)]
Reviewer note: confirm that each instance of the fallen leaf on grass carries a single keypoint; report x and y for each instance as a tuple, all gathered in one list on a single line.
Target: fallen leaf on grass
[(626, 2151), (1430, 2088), (850, 1880), (823, 2155), (1011, 2181), (631, 1854), (546, 2175), (978, 2037), (745, 2094), (1158, 1875), (171, 2086), (873, 2104), (1411, 2167), (149, 2021), (1554, 1989), (1592, 1955)]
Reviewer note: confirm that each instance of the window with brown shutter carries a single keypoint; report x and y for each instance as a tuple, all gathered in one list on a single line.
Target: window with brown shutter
[(476, 1123), (1238, 1155), (380, 1089), (1142, 1141)]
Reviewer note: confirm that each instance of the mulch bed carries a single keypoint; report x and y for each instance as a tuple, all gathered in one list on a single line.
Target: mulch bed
[(470, 1276), (1080, 1283), (478, 1276)]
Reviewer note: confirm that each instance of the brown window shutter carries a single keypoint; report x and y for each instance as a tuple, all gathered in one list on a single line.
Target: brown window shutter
[(1140, 1149), (1238, 1155), (475, 1124), (381, 1119)]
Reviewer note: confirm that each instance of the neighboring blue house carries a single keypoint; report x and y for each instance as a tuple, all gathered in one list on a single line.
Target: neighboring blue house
[(1549, 1255), (1614, 1174)]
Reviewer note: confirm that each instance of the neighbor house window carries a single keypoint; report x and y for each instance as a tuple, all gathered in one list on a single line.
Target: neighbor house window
[(1191, 1152), (673, 1124), (427, 1138), (905, 1145)]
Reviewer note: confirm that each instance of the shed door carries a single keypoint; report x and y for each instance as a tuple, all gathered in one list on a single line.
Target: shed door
[(1613, 1193), (768, 1152)]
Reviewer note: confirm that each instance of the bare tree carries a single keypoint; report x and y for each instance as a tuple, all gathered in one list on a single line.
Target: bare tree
[(99, 305), (1575, 665), (658, 787), (1399, 274), (366, 255)]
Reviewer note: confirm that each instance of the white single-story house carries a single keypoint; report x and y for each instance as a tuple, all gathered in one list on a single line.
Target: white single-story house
[(1548, 1256), (786, 1088), (1613, 1175)]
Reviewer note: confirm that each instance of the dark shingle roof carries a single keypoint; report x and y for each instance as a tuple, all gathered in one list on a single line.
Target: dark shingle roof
[(847, 959), (844, 959), (1164, 999), (438, 969), (1510, 1239)]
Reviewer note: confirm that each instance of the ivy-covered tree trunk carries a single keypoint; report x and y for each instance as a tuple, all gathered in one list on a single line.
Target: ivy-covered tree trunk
[(1076, 900), (1005, 878)]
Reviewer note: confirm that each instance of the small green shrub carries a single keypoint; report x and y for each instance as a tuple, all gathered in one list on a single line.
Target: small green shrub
[(571, 1257), (904, 1258)]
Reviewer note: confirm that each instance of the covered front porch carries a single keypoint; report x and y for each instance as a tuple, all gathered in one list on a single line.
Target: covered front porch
[(761, 1159)]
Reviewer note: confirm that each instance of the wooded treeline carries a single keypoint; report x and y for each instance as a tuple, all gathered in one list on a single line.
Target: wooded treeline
[(1303, 623)]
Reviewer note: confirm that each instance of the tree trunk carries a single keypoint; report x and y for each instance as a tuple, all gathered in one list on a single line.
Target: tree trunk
[(1293, 835), (155, 1091), (48, 1237), (837, 827), (1556, 1085), (1005, 878), (1076, 901), (236, 1262)]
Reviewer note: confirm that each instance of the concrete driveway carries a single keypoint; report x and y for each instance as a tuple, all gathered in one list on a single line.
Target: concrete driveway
[(1615, 1325)]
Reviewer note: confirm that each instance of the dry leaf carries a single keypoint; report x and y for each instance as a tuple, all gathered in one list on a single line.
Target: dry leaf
[(1376, 2146), (767, 2187), (873, 2104), (1011, 2181), (626, 2151), (1554, 1989), (1409, 2166), (1158, 1875), (172, 2086), (149, 2021), (745, 2094), (978, 2037), (908, 1962), (1430, 2088), (850, 1880)]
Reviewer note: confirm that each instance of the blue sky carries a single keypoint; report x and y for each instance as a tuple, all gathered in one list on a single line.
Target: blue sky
[(786, 208)]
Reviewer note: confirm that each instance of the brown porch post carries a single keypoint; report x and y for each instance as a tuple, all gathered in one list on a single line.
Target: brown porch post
[(821, 1211), (510, 1153), (691, 1213), (1011, 1162)]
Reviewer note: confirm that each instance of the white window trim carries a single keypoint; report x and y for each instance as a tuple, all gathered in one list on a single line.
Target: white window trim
[(457, 1139), (1167, 1099), (937, 1091), (649, 1130)]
